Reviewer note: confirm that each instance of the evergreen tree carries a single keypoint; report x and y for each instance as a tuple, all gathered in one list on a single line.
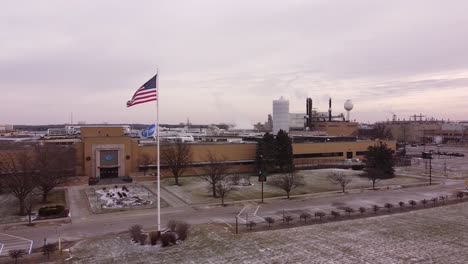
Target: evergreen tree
[(284, 152), (379, 163), (265, 158)]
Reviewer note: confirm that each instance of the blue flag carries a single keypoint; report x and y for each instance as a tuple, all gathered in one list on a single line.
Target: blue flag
[(148, 132)]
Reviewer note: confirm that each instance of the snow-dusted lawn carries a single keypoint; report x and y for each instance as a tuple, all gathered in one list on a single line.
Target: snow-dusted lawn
[(436, 235), (195, 190)]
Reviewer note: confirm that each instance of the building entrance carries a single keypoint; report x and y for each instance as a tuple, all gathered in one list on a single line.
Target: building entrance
[(112, 172), (349, 155)]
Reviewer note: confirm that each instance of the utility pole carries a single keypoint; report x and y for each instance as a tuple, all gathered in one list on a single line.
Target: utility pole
[(428, 156)]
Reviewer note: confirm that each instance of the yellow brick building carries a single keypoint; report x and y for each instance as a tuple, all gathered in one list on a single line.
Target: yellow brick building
[(108, 152)]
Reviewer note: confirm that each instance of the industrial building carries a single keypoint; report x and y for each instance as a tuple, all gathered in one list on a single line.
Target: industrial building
[(108, 151), (6, 128), (311, 122), (429, 130)]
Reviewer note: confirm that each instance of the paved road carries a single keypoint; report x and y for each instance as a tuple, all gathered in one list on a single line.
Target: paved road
[(88, 225)]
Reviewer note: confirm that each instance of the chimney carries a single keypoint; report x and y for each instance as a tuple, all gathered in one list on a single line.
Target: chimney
[(329, 110)]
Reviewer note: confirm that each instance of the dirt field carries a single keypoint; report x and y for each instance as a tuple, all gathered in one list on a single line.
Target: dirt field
[(194, 190), (426, 236)]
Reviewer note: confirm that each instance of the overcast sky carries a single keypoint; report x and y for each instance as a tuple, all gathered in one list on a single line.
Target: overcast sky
[(225, 61)]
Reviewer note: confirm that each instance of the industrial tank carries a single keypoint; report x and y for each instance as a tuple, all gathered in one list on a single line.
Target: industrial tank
[(280, 115)]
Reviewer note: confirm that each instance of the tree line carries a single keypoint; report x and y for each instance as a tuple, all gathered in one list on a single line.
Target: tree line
[(39, 167)]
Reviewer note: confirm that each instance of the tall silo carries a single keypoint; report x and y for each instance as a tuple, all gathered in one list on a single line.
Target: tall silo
[(280, 115)]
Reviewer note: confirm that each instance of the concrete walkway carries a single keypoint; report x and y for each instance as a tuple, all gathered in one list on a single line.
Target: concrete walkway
[(78, 203)]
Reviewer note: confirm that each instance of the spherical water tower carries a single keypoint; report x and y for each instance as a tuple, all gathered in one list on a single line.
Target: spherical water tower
[(348, 106), (280, 115)]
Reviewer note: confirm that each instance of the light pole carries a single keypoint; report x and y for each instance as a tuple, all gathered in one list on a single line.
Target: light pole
[(260, 174)]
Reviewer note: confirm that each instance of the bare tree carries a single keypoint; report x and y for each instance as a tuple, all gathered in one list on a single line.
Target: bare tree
[(49, 249), (287, 182), (16, 254), (177, 156), (381, 131), (338, 177), (54, 165), (18, 169), (215, 170), (223, 188), (144, 160)]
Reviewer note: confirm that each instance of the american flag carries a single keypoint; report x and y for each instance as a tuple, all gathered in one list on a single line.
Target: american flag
[(146, 93)]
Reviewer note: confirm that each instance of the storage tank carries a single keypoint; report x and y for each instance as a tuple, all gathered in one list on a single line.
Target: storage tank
[(280, 115)]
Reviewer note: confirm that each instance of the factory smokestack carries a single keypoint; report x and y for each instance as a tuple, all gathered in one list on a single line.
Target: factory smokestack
[(329, 110), (309, 112)]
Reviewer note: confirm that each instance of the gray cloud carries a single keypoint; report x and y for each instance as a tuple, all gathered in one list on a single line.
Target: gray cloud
[(89, 56)]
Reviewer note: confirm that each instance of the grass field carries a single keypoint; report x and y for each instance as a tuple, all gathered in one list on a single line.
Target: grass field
[(195, 190), (436, 235)]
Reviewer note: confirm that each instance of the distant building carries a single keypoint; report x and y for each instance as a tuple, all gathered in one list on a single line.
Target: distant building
[(426, 131), (6, 128), (280, 115), (297, 121)]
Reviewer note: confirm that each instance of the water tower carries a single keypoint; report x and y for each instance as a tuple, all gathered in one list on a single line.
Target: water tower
[(348, 106)]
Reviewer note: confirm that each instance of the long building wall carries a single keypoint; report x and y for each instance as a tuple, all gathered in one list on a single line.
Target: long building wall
[(241, 155)]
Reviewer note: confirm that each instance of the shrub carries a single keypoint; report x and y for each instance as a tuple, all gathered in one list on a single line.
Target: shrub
[(167, 239), (154, 237), (375, 208), (51, 210), (171, 225), (402, 205), (135, 232), (270, 221), (288, 219), (320, 215), (305, 216), (251, 225), (16, 254), (335, 214), (442, 198), (424, 202), (434, 201), (142, 238), (349, 210), (357, 167), (362, 210), (389, 206), (412, 203), (127, 179), (459, 195), (182, 229), (48, 249)]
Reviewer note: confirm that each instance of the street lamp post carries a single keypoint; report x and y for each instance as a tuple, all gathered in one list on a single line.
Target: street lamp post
[(261, 175)]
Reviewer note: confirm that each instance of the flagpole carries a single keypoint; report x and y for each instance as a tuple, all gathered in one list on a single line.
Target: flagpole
[(158, 156)]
